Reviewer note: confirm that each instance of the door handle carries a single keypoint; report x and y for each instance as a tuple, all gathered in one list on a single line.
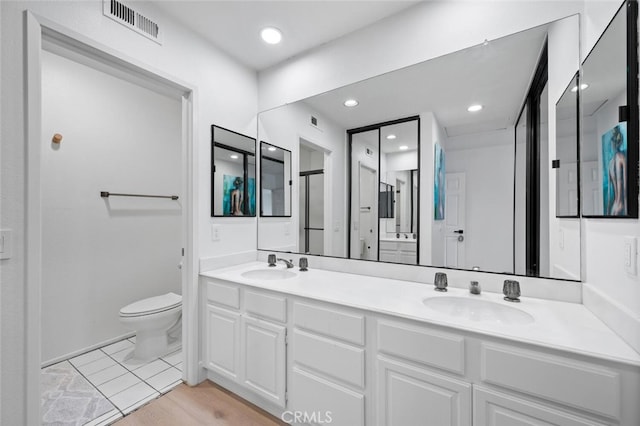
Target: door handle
[(459, 231)]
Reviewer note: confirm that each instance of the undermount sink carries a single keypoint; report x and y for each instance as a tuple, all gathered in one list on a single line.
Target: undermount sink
[(478, 310), (268, 274)]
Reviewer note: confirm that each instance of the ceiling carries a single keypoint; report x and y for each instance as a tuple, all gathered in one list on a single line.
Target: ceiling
[(496, 75), (234, 26)]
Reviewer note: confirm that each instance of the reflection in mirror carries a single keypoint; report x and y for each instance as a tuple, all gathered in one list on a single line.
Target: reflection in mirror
[(385, 156), (476, 228), (233, 177), (275, 181), (566, 163), (609, 150)]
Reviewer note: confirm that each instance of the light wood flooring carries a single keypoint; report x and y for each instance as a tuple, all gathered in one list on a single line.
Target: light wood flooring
[(205, 404)]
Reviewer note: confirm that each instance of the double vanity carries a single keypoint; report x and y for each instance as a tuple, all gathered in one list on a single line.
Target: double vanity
[(325, 347)]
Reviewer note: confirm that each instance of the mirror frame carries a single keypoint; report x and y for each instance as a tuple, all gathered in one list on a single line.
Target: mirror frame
[(213, 166), (290, 183), (631, 109)]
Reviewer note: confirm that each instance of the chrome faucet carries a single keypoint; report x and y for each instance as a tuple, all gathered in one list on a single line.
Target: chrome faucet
[(289, 263), (511, 290)]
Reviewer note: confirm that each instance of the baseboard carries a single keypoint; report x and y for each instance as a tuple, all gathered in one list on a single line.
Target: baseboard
[(85, 350), (216, 262), (617, 317)]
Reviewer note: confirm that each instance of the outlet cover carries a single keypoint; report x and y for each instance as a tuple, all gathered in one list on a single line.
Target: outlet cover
[(631, 255)]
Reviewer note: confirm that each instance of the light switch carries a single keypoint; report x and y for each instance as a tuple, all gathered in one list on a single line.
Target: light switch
[(5, 244), (287, 229), (631, 255), (215, 232), (561, 239)]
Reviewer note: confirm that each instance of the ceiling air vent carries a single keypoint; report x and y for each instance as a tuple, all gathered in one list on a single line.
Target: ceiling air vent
[(131, 19)]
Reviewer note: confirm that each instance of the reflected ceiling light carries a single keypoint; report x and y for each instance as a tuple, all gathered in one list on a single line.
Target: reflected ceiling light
[(474, 108), (391, 136), (403, 147), (271, 35), (583, 86), (272, 148), (350, 103), (234, 156)]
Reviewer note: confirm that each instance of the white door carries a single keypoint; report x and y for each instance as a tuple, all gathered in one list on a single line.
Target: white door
[(264, 359), (368, 204), (591, 188), (454, 216)]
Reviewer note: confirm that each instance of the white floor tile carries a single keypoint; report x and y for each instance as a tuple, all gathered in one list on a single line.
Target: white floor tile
[(151, 369), (122, 355), (107, 374), (131, 398), (95, 366), (132, 339), (117, 347), (87, 358), (106, 418), (174, 358), (165, 379), (118, 384), (178, 366)]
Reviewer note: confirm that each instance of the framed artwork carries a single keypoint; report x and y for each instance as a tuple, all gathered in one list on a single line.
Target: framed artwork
[(234, 200), (614, 171), (438, 182)]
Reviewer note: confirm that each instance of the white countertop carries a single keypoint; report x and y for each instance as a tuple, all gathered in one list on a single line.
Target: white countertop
[(558, 325)]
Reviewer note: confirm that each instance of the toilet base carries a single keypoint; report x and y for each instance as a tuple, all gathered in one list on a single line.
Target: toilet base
[(150, 344)]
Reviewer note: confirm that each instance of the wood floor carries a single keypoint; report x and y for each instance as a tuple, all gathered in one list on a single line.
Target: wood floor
[(205, 404)]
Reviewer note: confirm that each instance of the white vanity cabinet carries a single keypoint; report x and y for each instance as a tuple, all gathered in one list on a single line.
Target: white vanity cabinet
[(399, 251), (246, 339), (328, 363)]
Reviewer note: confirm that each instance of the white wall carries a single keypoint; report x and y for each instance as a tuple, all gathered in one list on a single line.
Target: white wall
[(226, 95), (286, 127), (424, 31), (489, 197), (102, 254)]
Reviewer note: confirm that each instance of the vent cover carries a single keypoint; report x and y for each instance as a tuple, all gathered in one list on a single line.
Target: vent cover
[(131, 19)]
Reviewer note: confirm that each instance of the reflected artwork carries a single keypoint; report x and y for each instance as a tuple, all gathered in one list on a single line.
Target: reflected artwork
[(614, 170), (438, 182), (233, 200)]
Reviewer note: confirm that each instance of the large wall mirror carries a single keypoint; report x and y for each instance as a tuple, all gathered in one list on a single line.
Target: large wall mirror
[(462, 216), (567, 143), (233, 177), (609, 94)]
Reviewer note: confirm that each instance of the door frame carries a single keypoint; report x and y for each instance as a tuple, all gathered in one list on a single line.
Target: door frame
[(37, 30)]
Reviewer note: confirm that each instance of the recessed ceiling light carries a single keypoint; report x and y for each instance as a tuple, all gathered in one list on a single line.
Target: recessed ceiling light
[(391, 136), (583, 86), (474, 108), (234, 156), (350, 103), (403, 147), (272, 148), (271, 35)]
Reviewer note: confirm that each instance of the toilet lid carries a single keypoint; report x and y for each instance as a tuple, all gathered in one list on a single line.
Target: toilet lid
[(152, 305)]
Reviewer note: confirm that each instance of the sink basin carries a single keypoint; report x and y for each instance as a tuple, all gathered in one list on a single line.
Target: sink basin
[(478, 310), (268, 274)]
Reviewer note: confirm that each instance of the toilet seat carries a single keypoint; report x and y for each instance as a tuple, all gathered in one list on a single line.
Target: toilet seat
[(152, 305)]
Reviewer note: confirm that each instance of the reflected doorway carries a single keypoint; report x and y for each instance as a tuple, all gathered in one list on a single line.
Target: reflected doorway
[(311, 200)]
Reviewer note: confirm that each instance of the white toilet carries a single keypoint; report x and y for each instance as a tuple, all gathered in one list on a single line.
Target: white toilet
[(152, 319)]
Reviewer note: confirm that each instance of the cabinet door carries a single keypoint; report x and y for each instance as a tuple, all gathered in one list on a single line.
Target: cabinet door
[(264, 359), (492, 408), (409, 395), (223, 341)]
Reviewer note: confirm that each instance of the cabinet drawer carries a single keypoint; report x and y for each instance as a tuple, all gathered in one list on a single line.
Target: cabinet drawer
[(388, 245), (332, 323), (491, 408), (338, 360), (568, 382), (438, 349), (223, 294), (327, 401), (408, 247), (265, 306)]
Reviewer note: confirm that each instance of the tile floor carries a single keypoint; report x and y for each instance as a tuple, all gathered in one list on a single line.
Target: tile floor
[(101, 386)]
